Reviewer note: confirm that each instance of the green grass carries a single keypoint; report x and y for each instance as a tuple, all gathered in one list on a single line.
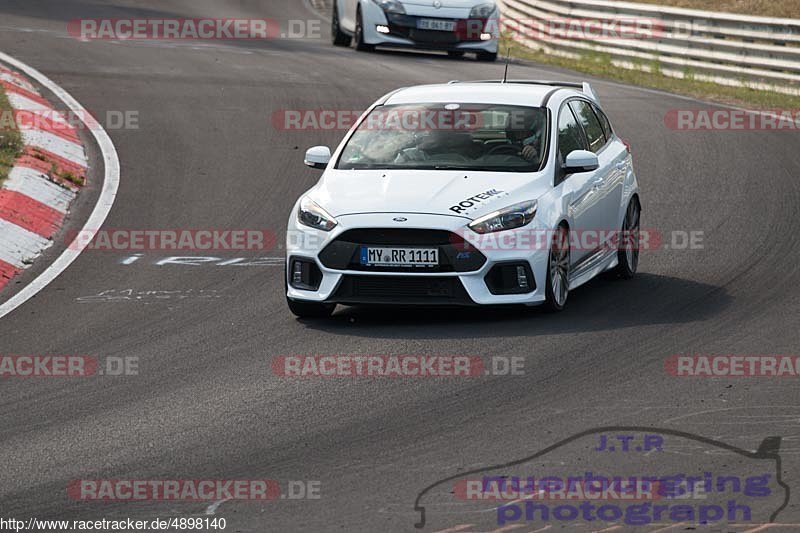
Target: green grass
[(67, 175), (600, 65), (10, 138), (764, 8)]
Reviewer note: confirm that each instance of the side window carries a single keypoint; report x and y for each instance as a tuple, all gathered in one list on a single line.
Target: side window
[(591, 125), (570, 136), (603, 121)]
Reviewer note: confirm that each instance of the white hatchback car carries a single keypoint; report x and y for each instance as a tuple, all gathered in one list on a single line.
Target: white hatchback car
[(473, 193), (454, 26)]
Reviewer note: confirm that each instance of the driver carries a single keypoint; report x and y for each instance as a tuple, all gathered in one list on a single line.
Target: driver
[(526, 132), (437, 144)]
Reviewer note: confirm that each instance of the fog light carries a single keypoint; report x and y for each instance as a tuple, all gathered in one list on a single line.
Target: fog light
[(522, 277), (510, 278), (382, 29), (486, 36), (297, 273), (305, 275)]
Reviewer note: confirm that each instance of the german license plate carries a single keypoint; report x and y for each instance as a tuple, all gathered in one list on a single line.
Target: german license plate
[(436, 24), (399, 257)]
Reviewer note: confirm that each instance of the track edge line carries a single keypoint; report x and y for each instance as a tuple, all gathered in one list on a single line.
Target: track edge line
[(101, 209)]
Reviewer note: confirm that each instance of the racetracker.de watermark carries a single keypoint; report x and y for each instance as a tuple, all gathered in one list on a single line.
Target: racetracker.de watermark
[(118, 490), (570, 28), (733, 366), (552, 488), (68, 122), (142, 240), (66, 366), (453, 117), (192, 29), (396, 366), (583, 240), (712, 119)]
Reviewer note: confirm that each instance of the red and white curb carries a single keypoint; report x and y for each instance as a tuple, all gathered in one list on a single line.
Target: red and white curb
[(36, 197), (34, 200)]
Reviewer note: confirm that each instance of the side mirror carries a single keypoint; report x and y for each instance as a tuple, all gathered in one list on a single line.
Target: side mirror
[(581, 161), (318, 157)]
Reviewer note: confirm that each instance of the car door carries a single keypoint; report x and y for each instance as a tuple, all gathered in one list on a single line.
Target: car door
[(620, 155), (612, 165), (580, 190)]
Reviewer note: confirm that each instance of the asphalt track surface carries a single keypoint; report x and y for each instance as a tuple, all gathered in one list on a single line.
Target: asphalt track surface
[(205, 403)]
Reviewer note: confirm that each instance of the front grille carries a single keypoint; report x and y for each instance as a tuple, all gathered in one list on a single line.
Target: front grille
[(411, 290), (405, 26), (455, 254), (432, 36)]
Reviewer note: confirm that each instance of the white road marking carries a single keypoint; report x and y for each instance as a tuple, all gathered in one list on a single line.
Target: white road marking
[(197, 260), (14, 80), (214, 506), (19, 101), (19, 246), (53, 143), (35, 185), (149, 296), (455, 529), (104, 202)]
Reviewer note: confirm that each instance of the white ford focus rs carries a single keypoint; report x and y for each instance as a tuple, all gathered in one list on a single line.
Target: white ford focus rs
[(474, 193), (454, 26)]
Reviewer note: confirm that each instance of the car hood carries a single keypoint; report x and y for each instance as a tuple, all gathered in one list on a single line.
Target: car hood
[(446, 3), (443, 192)]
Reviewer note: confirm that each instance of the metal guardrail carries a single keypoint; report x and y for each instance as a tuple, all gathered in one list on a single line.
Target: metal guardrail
[(724, 48)]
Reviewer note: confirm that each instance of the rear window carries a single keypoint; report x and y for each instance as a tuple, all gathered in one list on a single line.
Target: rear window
[(603, 121)]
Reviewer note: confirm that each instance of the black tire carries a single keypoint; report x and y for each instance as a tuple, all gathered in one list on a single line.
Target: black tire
[(557, 284), (628, 252), (361, 46), (338, 37), (487, 56), (455, 53), (310, 309)]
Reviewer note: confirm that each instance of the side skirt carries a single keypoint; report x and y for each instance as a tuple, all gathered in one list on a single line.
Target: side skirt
[(599, 261)]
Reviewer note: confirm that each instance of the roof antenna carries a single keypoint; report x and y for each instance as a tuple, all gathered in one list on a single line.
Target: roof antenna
[(508, 54)]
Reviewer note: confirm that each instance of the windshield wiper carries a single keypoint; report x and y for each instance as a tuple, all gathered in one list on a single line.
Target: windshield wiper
[(452, 167)]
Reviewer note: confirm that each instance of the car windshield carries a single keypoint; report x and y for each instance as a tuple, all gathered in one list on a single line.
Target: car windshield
[(486, 137)]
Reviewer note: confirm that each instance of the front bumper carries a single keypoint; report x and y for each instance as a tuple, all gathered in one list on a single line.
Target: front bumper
[(404, 32), (460, 280)]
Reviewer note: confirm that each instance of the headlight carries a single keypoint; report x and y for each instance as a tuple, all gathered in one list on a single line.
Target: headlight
[(391, 6), (312, 215), (481, 11), (511, 217)]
